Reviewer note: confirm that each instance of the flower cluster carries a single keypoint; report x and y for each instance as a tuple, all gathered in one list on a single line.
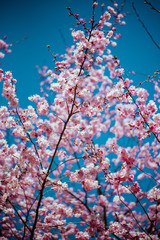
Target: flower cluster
[(5, 47), (9, 90)]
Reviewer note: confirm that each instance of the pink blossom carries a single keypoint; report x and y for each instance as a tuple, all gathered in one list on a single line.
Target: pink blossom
[(2, 55), (90, 184), (154, 194), (95, 4), (82, 236), (9, 90), (2, 43)]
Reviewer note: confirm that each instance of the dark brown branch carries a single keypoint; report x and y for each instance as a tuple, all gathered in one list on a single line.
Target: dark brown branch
[(48, 171), (155, 135), (132, 214), (60, 138), (78, 199), (18, 215), (138, 17), (151, 5), (138, 202)]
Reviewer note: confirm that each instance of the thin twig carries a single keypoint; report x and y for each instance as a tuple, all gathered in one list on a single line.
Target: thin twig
[(150, 4), (144, 26), (132, 214)]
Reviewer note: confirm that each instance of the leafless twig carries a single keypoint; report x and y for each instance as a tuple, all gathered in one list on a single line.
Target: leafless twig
[(150, 4), (144, 26)]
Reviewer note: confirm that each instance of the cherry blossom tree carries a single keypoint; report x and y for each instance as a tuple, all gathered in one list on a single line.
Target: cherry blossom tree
[(83, 158)]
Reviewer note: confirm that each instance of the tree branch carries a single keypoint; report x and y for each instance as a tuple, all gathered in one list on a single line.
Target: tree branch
[(138, 17), (150, 4)]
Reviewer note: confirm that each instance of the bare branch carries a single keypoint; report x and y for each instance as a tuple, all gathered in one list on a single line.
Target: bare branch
[(151, 5), (139, 19)]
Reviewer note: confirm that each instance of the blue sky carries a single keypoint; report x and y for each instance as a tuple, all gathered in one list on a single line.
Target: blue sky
[(41, 22)]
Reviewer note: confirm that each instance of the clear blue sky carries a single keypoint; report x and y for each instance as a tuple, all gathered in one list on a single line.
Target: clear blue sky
[(40, 21)]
